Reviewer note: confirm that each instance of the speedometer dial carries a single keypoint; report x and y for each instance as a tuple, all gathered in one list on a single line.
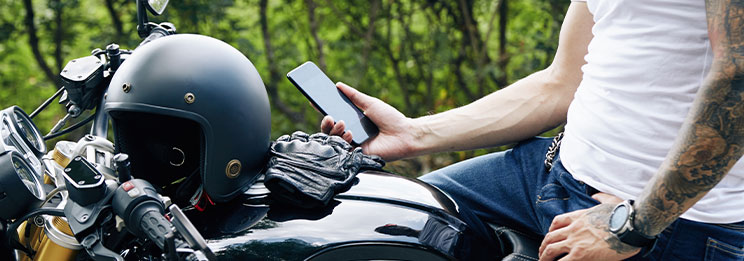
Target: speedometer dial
[(28, 131), (20, 189)]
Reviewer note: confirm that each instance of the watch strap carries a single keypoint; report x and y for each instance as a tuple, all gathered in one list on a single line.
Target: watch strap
[(636, 239)]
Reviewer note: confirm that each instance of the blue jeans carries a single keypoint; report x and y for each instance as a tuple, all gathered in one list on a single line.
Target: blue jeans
[(514, 189)]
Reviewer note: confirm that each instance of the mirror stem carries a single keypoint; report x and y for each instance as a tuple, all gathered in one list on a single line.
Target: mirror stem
[(143, 29)]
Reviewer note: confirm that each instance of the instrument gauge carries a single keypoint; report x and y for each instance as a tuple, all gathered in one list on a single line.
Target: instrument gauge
[(20, 188), (28, 132), (19, 132)]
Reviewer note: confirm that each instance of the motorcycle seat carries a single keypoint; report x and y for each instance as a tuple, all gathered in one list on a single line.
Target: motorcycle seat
[(517, 245)]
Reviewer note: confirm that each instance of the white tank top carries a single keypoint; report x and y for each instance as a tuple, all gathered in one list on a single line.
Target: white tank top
[(645, 64)]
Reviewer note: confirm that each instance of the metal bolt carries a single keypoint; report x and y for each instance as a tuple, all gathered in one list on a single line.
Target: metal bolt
[(233, 169), (126, 87), (84, 217), (89, 137), (82, 182), (68, 169), (74, 111), (189, 98), (39, 221)]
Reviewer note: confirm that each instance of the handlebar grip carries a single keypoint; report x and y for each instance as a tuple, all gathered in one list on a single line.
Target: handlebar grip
[(156, 227), (137, 202)]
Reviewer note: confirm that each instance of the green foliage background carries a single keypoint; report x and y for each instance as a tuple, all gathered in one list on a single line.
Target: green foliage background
[(421, 56)]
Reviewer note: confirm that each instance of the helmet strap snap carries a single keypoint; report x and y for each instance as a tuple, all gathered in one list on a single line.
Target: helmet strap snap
[(200, 200)]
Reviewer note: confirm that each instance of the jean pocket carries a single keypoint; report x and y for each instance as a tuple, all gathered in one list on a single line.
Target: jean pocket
[(552, 200), (552, 192), (718, 250)]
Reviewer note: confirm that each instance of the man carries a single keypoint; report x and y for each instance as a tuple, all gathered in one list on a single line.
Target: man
[(652, 98)]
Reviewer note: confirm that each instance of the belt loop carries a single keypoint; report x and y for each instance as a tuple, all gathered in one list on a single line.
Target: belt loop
[(552, 151)]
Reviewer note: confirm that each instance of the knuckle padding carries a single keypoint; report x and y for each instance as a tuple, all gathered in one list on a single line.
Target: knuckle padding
[(312, 168)]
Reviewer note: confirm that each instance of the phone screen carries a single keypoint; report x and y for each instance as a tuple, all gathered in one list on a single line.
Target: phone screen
[(322, 92)]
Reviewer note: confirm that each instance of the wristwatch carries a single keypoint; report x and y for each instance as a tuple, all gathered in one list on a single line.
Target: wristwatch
[(621, 225)]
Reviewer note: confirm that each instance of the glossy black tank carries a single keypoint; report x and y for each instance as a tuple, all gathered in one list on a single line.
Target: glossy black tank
[(382, 217)]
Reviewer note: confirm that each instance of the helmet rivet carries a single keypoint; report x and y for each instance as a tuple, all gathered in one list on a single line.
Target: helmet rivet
[(189, 98), (233, 169), (126, 87)]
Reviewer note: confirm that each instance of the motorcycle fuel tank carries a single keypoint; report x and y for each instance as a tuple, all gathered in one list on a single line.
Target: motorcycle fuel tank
[(382, 217)]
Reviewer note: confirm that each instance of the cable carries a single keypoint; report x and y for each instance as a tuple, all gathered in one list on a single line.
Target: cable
[(53, 193), (46, 103), (13, 240), (69, 129)]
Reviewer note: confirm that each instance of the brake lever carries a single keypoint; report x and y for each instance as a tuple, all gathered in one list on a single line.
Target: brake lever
[(190, 233)]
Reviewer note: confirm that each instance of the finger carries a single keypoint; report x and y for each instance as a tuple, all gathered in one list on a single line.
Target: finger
[(607, 198), (338, 129), (553, 251), (563, 220), (347, 136), (326, 124), (359, 99), (568, 257), (553, 237)]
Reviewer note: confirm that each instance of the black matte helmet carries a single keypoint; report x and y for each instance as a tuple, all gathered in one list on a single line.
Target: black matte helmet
[(191, 110)]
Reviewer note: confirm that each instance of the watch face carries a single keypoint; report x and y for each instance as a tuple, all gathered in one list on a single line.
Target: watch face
[(618, 218)]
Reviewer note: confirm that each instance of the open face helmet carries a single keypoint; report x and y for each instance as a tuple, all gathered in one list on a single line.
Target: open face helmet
[(191, 112)]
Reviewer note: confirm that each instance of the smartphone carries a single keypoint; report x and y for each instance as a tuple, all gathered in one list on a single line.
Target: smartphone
[(329, 100)]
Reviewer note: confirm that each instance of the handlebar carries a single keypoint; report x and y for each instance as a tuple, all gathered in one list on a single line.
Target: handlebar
[(159, 31), (137, 202), (154, 225)]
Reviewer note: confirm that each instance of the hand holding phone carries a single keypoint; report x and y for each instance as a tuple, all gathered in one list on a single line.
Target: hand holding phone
[(329, 100)]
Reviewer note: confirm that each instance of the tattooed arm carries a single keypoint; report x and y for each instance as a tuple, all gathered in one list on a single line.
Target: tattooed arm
[(710, 143), (712, 138)]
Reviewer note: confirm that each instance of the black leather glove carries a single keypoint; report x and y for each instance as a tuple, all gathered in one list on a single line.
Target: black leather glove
[(308, 170)]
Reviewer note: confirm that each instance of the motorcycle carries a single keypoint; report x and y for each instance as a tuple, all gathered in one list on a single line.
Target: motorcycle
[(78, 200)]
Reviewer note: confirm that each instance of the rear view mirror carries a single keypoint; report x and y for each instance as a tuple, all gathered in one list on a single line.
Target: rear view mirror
[(157, 7)]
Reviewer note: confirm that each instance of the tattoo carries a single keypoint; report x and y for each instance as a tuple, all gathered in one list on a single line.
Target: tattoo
[(712, 139), (599, 219)]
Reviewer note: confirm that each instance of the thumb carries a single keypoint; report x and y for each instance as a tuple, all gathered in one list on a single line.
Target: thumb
[(359, 99), (607, 198)]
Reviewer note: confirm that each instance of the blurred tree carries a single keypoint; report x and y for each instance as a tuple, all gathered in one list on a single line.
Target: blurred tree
[(422, 56)]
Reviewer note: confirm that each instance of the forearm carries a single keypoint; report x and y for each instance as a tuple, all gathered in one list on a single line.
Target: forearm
[(524, 109), (712, 138), (708, 146), (527, 108)]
